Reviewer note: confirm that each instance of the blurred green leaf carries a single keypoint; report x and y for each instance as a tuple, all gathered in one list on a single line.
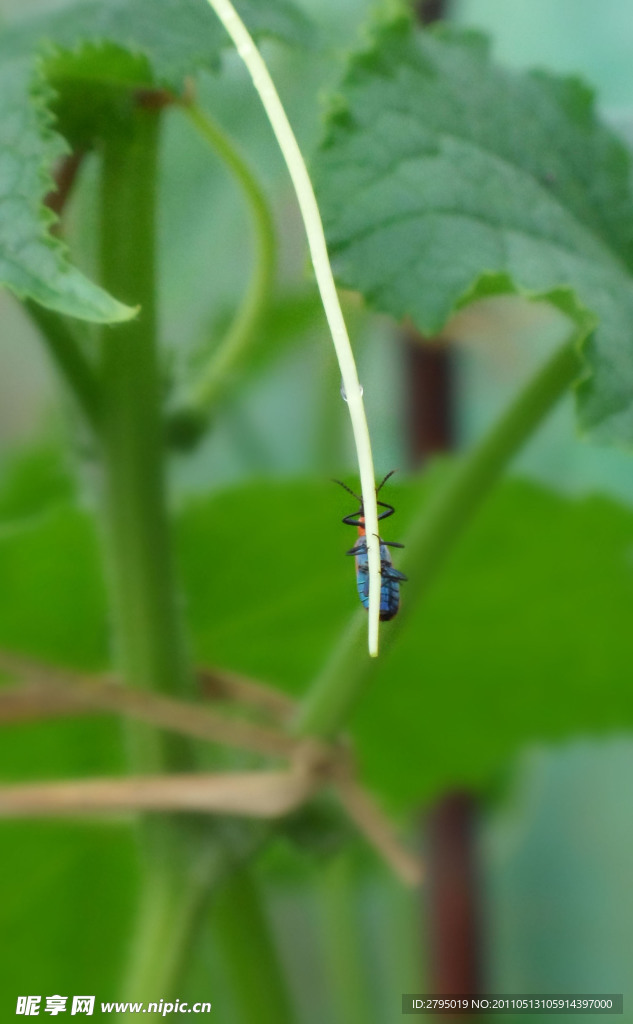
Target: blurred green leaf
[(52, 599), (528, 623), (52, 605), (177, 38), (524, 638), (33, 480), (288, 321), (265, 578), (443, 179), (67, 894), (96, 56)]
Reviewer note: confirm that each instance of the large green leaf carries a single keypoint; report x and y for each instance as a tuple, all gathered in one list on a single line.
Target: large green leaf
[(51, 871), (177, 37), (524, 638), (32, 481), (90, 52), (444, 178)]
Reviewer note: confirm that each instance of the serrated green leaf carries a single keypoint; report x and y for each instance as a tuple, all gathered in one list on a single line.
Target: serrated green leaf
[(86, 52), (441, 172), (177, 38), (33, 263)]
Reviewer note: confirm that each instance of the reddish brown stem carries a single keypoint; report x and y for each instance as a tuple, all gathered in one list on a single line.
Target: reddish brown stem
[(452, 902), (155, 99), (430, 412), (453, 914), (65, 175)]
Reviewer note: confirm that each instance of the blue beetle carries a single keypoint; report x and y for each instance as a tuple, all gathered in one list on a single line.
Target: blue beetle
[(390, 578)]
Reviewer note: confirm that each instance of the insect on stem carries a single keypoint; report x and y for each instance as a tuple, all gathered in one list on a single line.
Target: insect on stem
[(323, 272), (390, 578)]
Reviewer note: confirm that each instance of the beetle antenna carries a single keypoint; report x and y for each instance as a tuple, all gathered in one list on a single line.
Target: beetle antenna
[(349, 490), (384, 479)]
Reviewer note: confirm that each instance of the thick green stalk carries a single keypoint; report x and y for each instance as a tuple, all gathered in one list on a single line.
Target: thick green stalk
[(249, 953), (348, 971), (183, 856), (329, 701), (146, 617), (147, 628)]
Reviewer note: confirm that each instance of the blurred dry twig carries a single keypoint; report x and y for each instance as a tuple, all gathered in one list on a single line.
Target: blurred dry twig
[(48, 691)]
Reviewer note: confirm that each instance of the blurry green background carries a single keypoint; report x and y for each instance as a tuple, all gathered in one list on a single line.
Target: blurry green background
[(557, 836)]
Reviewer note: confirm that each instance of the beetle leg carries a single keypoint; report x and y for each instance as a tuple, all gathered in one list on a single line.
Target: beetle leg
[(390, 573), (351, 519), (390, 510), (360, 549)]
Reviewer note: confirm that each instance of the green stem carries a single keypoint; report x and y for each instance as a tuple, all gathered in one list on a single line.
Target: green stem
[(330, 700), (243, 330), (147, 625), (150, 639), (342, 943), (170, 919), (249, 952), (69, 358)]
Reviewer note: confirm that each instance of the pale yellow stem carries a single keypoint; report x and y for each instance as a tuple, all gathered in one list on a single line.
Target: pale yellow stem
[(323, 273)]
